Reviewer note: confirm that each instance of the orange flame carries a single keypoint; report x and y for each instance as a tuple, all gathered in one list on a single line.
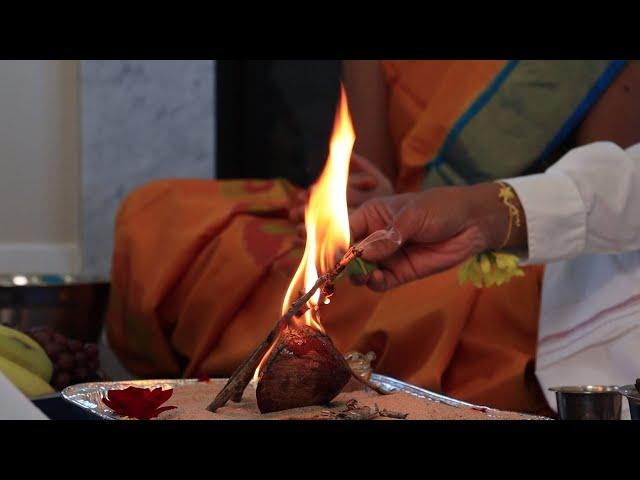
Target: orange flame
[(326, 219), (326, 215)]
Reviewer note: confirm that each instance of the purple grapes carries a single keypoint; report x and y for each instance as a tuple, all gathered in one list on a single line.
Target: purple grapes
[(73, 362)]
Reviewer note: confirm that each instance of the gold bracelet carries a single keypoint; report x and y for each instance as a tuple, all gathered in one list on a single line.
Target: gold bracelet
[(507, 195)]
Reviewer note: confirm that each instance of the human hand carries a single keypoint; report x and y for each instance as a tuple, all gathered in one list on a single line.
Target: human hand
[(366, 181), (439, 228)]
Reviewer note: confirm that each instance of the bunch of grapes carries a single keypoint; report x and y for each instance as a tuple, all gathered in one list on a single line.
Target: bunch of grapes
[(73, 362)]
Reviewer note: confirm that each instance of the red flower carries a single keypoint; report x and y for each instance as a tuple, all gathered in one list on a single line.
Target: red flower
[(203, 377), (140, 403)]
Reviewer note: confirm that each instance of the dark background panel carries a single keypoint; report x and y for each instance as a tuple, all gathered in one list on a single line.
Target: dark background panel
[(274, 117)]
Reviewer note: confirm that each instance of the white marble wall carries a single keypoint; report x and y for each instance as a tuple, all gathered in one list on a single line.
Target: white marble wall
[(140, 120)]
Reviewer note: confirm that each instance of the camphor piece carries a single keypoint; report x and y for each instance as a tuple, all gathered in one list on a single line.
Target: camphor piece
[(303, 368)]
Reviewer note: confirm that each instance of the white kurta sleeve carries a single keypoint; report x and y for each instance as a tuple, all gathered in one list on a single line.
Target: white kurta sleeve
[(587, 203)]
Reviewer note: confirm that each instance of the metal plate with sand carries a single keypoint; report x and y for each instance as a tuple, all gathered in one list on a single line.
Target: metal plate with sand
[(88, 397)]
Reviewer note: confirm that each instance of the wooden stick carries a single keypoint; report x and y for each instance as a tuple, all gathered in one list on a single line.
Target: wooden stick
[(237, 383), (235, 386)]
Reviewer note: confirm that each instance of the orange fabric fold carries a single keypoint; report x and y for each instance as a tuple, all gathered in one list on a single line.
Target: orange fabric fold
[(425, 100)]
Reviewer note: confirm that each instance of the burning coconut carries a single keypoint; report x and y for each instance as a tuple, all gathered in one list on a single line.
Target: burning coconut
[(297, 364)]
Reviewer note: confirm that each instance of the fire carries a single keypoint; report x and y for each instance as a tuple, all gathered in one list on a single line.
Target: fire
[(326, 215), (326, 219)]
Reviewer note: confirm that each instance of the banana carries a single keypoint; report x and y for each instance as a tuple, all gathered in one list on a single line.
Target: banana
[(26, 352), (28, 383)]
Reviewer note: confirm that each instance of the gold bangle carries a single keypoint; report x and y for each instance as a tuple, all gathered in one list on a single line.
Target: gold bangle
[(507, 195)]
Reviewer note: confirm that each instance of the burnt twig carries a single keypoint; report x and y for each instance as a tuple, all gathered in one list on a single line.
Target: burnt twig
[(360, 413), (239, 380), (391, 414)]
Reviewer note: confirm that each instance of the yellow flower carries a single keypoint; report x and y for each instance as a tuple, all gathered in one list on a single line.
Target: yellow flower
[(463, 273), (506, 262), (485, 264), (490, 268), (475, 275)]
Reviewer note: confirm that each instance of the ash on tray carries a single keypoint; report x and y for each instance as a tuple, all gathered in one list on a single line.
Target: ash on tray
[(192, 401)]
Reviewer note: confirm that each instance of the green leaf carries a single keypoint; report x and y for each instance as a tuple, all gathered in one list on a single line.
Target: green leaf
[(360, 267)]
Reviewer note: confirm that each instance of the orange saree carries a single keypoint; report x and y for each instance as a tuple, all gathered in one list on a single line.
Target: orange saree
[(200, 270)]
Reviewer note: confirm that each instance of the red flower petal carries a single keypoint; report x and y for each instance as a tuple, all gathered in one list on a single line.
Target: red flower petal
[(109, 403), (141, 403), (162, 396)]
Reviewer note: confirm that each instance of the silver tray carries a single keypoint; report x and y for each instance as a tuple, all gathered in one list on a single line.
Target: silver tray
[(88, 396)]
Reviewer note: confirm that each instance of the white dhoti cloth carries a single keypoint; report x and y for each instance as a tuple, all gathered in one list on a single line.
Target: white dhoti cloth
[(583, 220)]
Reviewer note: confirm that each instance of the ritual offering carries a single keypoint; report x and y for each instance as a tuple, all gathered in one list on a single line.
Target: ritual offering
[(296, 372), (297, 364), (187, 399)]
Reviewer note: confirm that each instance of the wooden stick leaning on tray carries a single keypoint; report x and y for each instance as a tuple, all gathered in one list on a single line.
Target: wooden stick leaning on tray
[(237, 383)]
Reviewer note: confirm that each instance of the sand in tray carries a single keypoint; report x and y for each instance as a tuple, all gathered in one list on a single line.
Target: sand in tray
[(192, 401)]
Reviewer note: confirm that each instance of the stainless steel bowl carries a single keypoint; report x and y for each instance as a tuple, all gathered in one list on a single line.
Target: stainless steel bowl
[(633, 397), (588, 402), (71, 304)]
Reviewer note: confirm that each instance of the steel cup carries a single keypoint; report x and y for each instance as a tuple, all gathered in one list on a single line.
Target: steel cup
[(588, 402)]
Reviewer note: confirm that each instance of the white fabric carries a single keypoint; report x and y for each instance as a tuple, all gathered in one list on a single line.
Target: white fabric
[(586, 203), (14, 405), (583, 215)]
